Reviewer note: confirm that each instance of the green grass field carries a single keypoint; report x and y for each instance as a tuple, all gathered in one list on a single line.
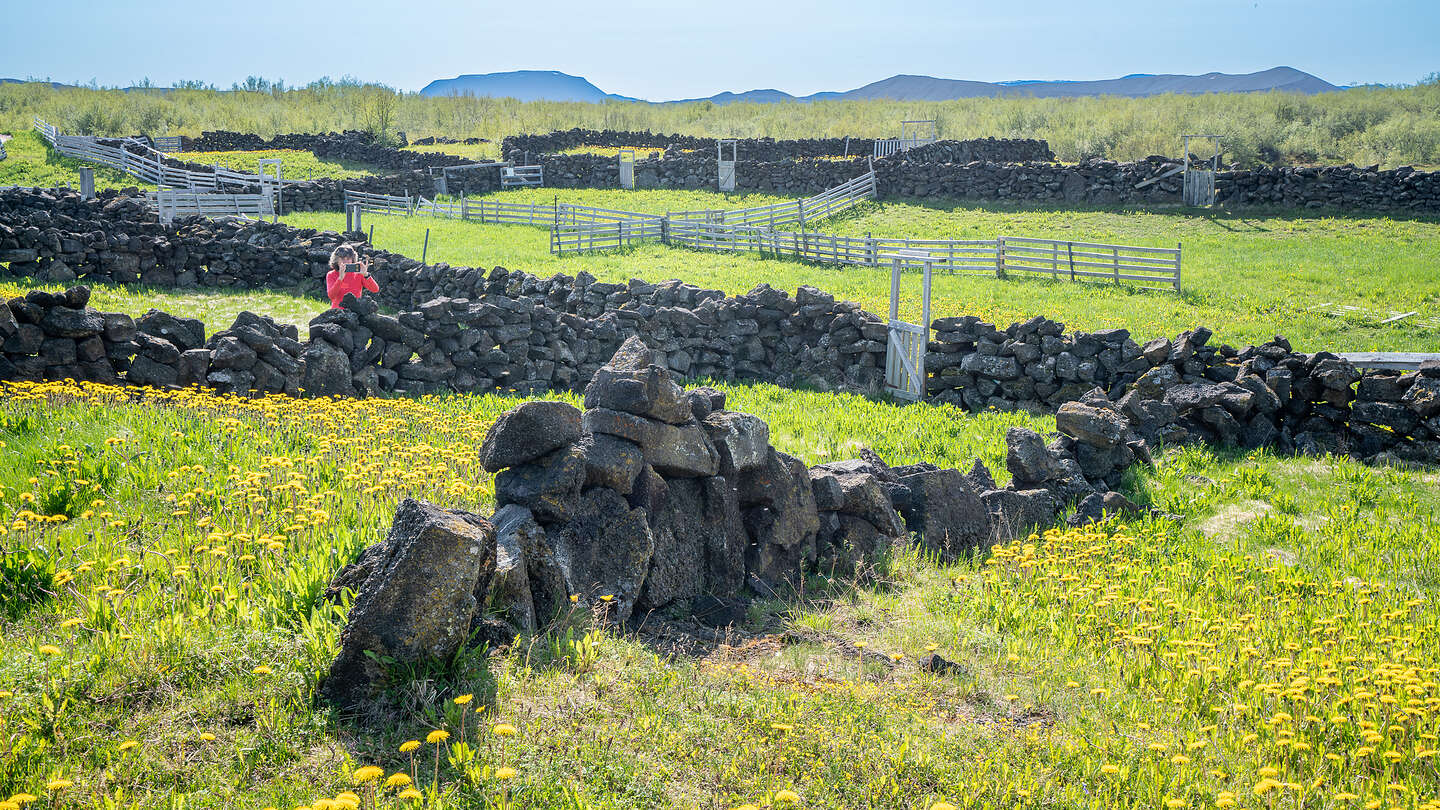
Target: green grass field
[(162, 637), (30, 162), (475, 151), (216, 308), (1248, 276), (298, 164)]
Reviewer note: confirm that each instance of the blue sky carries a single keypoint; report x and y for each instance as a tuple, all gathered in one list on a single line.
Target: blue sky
[(663, 49)]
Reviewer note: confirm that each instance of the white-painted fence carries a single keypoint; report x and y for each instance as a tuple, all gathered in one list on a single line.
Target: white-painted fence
[(171, 203), (1090, 261), (140, 161)]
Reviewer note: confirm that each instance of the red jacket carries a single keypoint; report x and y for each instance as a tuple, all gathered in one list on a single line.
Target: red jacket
[(352, 284)]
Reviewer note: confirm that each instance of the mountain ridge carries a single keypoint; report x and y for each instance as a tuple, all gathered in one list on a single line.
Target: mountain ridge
[(552, 85)]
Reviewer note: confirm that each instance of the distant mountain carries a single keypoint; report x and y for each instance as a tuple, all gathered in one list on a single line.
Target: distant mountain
[(530, 85), (56, 85), (525, 85)]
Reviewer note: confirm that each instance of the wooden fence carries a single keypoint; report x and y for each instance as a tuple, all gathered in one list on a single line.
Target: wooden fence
[(827, 203), (625, 233), (1072, 261), (137, 159), (170, 203), (1090, 261)]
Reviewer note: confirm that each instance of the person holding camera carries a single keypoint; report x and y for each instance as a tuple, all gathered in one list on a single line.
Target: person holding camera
[(348, 276)]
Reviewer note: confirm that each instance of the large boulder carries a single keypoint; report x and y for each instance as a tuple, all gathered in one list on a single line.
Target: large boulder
[(327, 370), (548, 486), (417, 600), (509, 593), (740, 439), (1027, 457), (634, 383), (1102, 427), (674, 450), (777, 503), (847, 544), (528, 432), (838, 489), (945, 511), (547, 589), (611, 462), (699, 541), (1014, 514), (604, 550)]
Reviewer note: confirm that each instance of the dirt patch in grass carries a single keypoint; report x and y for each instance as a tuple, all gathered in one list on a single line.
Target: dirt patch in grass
[(1225, 524)]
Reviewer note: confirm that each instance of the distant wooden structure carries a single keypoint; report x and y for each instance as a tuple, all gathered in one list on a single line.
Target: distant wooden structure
[(912, 134), (627, 168), (1199, 188), (725, 167)]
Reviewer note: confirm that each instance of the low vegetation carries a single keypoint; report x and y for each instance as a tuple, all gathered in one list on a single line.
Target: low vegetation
[(30, 162), (298, 164), (163, 632), (1390, 126), (215, 308)]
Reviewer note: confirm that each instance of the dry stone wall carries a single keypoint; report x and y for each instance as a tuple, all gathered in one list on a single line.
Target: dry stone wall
[(469, 329), (770, 149)]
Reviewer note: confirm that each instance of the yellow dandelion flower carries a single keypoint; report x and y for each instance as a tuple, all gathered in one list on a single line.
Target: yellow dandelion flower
[(505, 773), (463, 699), (503, 730), (408, 746), (207, 737), (409, 794), (437, 736), (1175, 804), (1110, 769), (787, 797), (128, 744), (942, 806), (367, 773), (56, 785), (50, 649), (397, 780), (262, 670)]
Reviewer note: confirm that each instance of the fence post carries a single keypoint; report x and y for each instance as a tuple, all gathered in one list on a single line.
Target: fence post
[(1000, 257), (1115, 263), (464, 211), (425, 250), (87, 183), (1177, 267)]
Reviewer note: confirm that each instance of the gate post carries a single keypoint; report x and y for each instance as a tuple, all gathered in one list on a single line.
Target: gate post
[(87, 183), (1000, 257)]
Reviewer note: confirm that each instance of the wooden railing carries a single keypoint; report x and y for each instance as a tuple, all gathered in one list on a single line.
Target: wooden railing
[(137, 159), (170, 203), (1071, 261), (1090, 261)]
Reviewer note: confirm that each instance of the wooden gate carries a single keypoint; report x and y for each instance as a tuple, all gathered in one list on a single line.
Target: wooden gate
[(725, 166), (907, 342), (627, 168), (272, 182), (1199, 188)]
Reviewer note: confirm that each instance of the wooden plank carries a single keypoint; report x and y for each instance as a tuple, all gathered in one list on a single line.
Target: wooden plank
[(1397, 361)]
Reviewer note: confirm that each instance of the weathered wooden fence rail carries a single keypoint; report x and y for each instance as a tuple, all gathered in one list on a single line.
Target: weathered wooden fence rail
[(140, 161), (1090, 261), (171, 203)]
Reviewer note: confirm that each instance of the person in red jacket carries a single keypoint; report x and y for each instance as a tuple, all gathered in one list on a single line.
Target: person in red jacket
[(348, 276)]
